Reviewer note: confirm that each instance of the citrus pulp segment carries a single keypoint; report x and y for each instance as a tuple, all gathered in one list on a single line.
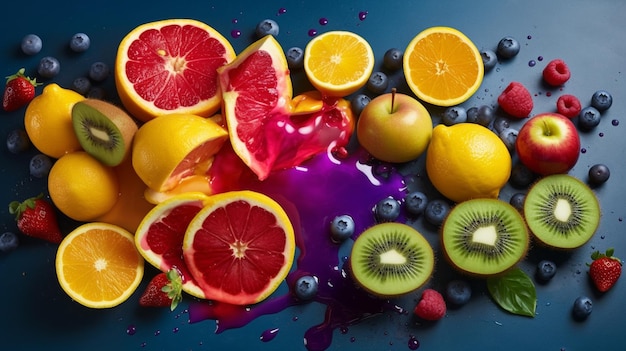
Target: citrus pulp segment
[(172, 148), (442, 66), (338, 63), (98, 266), (170, 66), (159, 236), (255, 87), (239, 247)]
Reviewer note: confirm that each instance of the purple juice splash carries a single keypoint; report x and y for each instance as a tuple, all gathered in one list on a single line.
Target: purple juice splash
[(312, 194)]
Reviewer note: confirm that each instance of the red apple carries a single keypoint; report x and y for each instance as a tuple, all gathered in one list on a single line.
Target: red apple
[(548, 144), (394, 127)]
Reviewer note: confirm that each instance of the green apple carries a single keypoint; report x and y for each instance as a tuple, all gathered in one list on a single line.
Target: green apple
[(394, 128)]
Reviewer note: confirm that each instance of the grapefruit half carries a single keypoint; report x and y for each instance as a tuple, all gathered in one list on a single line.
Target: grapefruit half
[(239, 247), (170, 66), (159, 236)]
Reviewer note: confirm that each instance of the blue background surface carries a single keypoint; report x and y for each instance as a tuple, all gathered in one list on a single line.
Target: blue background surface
[(588, 35)]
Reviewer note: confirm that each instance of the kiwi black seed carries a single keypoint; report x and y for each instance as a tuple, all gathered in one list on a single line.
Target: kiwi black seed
[(562, 212), (391, 259), (484, 237), (104, 130)]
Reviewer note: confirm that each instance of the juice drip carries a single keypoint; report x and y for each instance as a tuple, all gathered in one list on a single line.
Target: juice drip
[(312, 195)]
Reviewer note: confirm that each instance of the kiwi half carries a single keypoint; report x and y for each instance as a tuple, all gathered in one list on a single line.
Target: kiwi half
[(104, 130), (484, 237), (391, 259), (562, 212)]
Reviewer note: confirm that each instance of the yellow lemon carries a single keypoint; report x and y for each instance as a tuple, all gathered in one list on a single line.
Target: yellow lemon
[(81, 187), (173, 149), (467, 161), (48, 121)]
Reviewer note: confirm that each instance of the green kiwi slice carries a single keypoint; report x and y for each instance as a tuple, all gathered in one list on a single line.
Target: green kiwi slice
[(562, 212), (391, 259), (484, 237), (104, 130)]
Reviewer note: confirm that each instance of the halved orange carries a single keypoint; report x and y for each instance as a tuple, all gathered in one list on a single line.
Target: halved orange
[(442, 66), (338, 63), (239, 247), (98, 266), (170, 66)]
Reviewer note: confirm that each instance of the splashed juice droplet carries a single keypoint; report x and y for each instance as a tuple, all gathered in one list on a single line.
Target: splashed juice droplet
[(269, 334)]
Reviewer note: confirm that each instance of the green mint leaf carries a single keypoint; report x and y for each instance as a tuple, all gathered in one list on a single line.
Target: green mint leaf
[(514, 292)]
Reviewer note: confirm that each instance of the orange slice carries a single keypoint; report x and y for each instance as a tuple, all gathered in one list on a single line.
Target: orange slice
[(98, 266), (170, 66), (239, 247), (338, 63), (442, 66)]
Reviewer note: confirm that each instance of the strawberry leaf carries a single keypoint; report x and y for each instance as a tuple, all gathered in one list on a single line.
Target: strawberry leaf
[(174, 288), (514, 292)]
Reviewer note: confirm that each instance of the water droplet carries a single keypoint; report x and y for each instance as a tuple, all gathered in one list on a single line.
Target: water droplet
[(269, 335), (615, 122), (540, 58), (352, 339), (131, 330), (413, 343), (363, 15), (343, 330), (175, 330), (529, 37), (323, 21), (583, 150), (549, 93), (312, 32), (600, 134), (235, 33), (532, 63), (235, 21), (282, 10)]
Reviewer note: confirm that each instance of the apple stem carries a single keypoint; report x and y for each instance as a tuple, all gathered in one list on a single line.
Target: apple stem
[(393, 97)]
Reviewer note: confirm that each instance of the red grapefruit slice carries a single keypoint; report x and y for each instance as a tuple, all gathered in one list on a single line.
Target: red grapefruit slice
[(170, 66), (159, 236), (240, 247)]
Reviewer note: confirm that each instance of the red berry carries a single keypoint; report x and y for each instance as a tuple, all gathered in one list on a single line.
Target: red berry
[(605, 270), (431, 307), (556, 73), (568, 105), (516, 100)]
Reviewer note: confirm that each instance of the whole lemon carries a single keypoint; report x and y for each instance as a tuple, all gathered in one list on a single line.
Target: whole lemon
[(467, 161), (81, 187), (48, 121)]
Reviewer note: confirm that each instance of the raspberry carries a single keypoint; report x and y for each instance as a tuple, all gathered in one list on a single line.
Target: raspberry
[(568, 105), (431, 307), (516, 100), (556, 73)]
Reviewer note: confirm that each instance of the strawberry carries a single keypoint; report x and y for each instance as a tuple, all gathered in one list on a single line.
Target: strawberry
[(165, 289), (516, 100), (431, 307), (605, 269), (36, 217), (19, 91)]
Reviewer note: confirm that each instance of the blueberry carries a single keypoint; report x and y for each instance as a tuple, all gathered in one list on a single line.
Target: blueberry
[(267, 27), (40, 165), (598, 174), (18, 141), (545, 270), (8, 241), (458, 292), (31, 44), (341, 228), (48, 67), (358, 103), (99, 71), (453, 115), (387, 210), (489, 59), (472, 114), (517, 201), (589, 118), (582, 307), (484, 115), (436, 211), (377, 82), (508, 47), (392, 60), (306, 287), (80, 42), (500, 124), (521, 176), (415, 203), (509, 136), (96, 93), (295, 58), (81, 85), (601, 100)]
